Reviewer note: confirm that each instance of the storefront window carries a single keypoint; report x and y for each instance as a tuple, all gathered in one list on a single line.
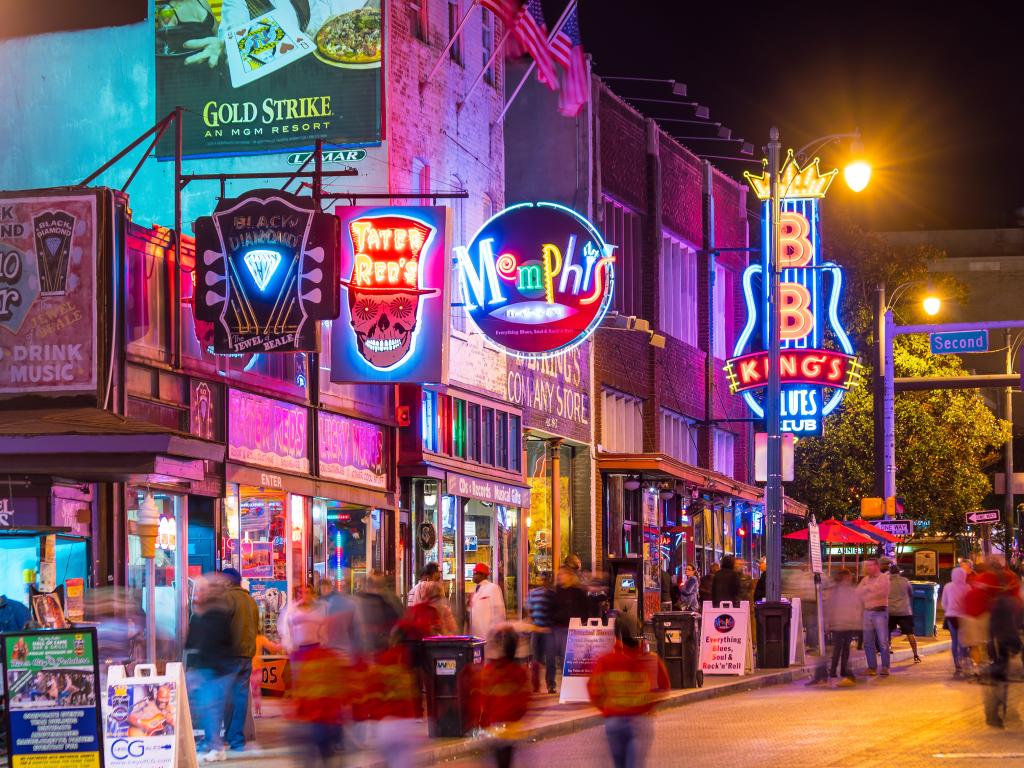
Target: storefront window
[(540, 545), (353, 543), (515, 450), (623, 518), (507, 553), (473, 433), (501, 441), (146, 317), (491, 536), (488, 436)]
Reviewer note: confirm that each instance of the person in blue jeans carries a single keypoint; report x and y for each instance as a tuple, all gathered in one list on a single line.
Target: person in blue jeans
[(245, 619), (953, 596), (874, 596), (207, 645), (541, 603)]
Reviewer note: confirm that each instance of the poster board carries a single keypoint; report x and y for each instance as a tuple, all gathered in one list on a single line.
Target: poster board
[(587, 641), (797, 649), (51, 683), (814, 545), (147, 720), (725, 639)]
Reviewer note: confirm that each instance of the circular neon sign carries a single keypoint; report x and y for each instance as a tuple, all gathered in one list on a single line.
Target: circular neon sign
[(537, 278)]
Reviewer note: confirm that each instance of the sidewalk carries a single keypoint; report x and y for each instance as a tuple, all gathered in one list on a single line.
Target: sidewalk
[(548, 718)]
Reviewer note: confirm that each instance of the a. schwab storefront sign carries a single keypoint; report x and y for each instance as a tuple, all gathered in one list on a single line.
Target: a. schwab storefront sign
[(267, 76)]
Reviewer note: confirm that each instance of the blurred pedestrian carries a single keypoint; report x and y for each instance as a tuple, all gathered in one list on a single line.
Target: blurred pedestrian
[(625, 685), (874, 595), (430, 574), (953, 596), (303, 622), (541, 604), (760, 589), (706, 581), (340, 613), (901, 608), (726, 586), (844, 619), (570, 602), (245, 619), (377, 610), (390, 701), (486, 604), (689, 590), (503, 697), (323, 684), (210, 671), (13, 615), (1004, 610)]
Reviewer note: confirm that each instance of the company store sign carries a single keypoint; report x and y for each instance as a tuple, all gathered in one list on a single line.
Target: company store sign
[(351, 450), (817, 364), (537, 279), (268, 433), (554, 392), (48, 294), (488, 490)]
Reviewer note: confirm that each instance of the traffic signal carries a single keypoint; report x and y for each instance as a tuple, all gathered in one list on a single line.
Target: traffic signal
[(872, 508)]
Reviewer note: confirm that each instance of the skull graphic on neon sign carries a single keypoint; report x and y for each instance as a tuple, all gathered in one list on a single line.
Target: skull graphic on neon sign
[(384, 290)]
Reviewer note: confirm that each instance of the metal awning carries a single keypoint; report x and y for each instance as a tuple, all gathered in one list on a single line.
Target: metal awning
[(705, 479), (93, 445)]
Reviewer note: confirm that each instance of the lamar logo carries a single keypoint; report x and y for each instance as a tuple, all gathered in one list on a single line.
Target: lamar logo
[(725, 623)]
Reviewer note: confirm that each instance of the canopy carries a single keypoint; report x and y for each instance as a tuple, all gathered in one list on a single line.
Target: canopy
[(833, 532), (874, 531)]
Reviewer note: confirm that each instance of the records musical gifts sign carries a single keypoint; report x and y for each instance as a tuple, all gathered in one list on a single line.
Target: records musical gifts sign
[(48, 294), (266, 273)]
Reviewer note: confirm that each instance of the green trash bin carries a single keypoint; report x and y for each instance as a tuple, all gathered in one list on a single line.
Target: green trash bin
[(926, 595)]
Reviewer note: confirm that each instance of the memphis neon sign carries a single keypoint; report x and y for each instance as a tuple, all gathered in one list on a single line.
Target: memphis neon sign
[(817, 364), (536, 279)]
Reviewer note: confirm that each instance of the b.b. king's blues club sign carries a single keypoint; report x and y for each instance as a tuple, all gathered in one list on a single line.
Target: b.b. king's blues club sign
[(817, 364)]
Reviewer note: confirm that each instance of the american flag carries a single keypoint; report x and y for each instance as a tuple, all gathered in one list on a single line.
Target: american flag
[(532, 34), (505, 10), (567, 49)]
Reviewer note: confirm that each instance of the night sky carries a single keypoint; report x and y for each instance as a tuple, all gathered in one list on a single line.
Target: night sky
[(938, 95)]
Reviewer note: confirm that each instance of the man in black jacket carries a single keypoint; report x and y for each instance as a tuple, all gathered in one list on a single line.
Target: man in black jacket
[(725, 586), (706, 581)]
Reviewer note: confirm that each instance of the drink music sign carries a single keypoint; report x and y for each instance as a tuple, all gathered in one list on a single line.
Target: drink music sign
[(817, 362)]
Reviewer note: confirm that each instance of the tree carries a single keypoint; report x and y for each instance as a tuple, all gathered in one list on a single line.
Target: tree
[(944, 438)]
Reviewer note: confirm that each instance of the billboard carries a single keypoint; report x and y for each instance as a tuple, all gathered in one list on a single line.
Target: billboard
[(266, 272), (269, 75), (394, 268), (537, 278), (48, 294)]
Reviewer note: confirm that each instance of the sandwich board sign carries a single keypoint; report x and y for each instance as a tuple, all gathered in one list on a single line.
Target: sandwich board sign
[(148, 723), (725, 639), (588, 640), (797, 651)]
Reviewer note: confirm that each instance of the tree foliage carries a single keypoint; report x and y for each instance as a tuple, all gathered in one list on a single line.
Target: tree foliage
[(944, 438)]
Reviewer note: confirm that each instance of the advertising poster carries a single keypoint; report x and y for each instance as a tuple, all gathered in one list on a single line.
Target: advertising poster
[(147, 722), (585, 644), (74, 607), (48, 295), (269, 75), (725, 639), (51, 686), (256, 560), (393, 325)]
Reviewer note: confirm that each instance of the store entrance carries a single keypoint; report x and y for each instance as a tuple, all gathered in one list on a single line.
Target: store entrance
[(351, 546)]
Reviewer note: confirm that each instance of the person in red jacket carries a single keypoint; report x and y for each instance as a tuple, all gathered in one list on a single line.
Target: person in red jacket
[(625, 685), (391, 699), (503, 696)]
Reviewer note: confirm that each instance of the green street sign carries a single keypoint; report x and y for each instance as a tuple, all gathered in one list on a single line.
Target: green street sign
[(329, 156)]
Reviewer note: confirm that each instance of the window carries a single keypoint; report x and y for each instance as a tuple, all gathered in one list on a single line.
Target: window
[(622, 422), (721, 294), (460, 320), (487, 424), (487, 49), (473, 433), (678, 290), (725, 453), (622, 228), (454, 17), (515, 448), (678, 437), (419, 19), (420, 175), (501, 441), (147, 300), (459, 428), (429, 421)]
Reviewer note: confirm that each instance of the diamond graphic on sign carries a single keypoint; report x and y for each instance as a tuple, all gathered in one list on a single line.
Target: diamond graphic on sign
[(262, 265)]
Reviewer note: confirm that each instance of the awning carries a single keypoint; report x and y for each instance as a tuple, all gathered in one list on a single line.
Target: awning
[(705, 479), (274, 479), (93, 445)]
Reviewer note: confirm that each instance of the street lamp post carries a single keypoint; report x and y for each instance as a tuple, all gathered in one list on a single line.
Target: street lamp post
[(773, 402)]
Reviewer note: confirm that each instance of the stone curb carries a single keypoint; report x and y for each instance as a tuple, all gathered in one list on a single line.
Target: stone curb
[(469, 747)]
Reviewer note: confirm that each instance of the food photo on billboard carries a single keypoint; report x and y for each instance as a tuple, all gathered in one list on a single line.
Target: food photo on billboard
[(269, 75)]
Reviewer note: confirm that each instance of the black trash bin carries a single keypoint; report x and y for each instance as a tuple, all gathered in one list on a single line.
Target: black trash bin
[(448, 662), (677, 634), (773, 633)]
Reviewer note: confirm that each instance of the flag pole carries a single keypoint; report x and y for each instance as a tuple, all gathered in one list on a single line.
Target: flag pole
[(494, 54), (451, 42), (533, 64)]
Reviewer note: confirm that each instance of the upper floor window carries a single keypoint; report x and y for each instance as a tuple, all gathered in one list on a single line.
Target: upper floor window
[(722, 293), (487, 47), (146, 313), (678, 300), (623, 229), (420, 176), (622, 422), (678, 437), (454, 17), (419, 19), (725, 452)]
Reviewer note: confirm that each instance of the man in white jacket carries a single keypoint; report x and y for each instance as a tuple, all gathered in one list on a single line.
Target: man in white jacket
[(486, 604)]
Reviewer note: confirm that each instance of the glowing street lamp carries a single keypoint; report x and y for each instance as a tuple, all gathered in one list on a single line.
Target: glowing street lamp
[(932, 305), (857, 175)]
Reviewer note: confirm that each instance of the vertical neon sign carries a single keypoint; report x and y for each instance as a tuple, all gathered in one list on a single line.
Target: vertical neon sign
[(817, 364)]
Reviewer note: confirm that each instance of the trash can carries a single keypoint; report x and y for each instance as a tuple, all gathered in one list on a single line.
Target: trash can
[(676, 635), (926, 595), (449, 662), (773, 620)]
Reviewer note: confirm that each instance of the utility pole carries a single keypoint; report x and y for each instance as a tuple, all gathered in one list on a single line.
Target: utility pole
[(773, 398), (878, 358), (1008, 506)]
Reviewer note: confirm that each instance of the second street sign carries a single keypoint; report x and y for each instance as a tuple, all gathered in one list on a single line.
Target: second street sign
[(957, 342)]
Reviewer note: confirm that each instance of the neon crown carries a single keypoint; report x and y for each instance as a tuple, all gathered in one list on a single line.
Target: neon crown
[(794, 181)]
